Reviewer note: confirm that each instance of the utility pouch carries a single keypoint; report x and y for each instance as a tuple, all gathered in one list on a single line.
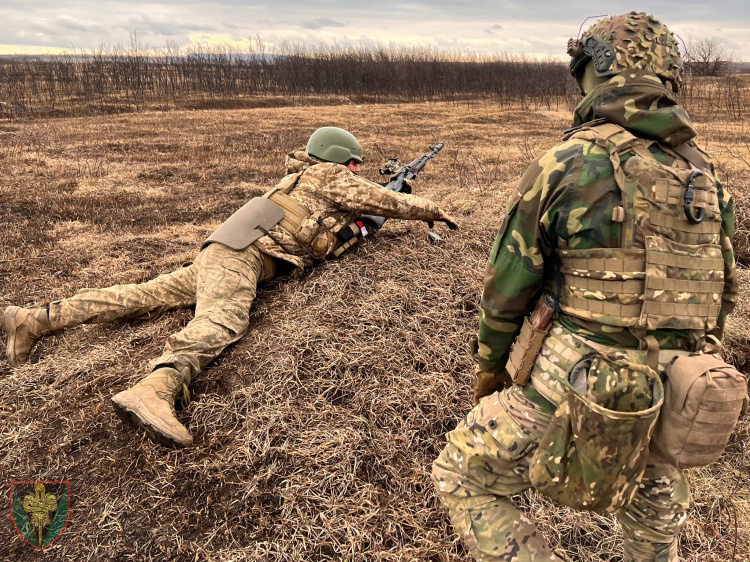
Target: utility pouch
[(315, 236), (594, 451), (529, 341), (704, 398)]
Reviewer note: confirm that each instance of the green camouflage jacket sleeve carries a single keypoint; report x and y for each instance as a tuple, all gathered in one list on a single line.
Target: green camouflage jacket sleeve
[(515, 271), (355, 194)]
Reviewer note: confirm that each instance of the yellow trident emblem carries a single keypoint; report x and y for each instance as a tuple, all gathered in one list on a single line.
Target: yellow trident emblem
[(38, 507)]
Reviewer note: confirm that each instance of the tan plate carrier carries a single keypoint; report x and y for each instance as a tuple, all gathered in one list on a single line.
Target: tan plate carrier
[(259, 215)]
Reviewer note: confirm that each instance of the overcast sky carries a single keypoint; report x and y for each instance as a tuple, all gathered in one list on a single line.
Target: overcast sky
[(536, 27)]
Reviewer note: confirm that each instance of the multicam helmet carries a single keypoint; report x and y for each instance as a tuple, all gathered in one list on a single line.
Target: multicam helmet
[(633, 40), (332, 144)]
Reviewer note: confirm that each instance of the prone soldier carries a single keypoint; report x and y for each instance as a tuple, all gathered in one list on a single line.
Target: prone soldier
[(312, 214)]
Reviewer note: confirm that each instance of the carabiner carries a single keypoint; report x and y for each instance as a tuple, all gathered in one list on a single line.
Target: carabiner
[(689, 195)]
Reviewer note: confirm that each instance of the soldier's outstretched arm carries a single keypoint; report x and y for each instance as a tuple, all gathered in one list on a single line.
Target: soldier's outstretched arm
[(358, 195)]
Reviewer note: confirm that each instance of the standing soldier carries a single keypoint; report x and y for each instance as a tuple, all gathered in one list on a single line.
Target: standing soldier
[(311, 215), (619, 240)]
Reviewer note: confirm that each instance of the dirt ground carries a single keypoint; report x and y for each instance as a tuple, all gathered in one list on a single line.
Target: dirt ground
[(314, 434)]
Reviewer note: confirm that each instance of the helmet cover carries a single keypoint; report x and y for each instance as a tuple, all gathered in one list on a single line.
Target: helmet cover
[(628, 41)]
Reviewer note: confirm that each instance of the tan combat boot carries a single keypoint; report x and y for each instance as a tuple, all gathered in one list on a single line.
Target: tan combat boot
[(24, 327), (150, 405)]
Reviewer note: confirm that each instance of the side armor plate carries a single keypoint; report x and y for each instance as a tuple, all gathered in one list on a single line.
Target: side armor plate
[(247, 224)]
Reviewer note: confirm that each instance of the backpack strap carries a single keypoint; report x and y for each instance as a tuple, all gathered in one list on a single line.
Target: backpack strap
[(617, 141)]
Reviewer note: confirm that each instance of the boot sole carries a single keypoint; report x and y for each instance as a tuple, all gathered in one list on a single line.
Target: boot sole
[(132, 412)]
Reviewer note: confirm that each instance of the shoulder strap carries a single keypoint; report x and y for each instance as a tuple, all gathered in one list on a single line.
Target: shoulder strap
[(607, 135), (286, 185), (692, 155)]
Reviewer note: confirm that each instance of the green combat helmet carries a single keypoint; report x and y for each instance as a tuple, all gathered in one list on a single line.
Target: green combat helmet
[(633, 40), (332, 144)]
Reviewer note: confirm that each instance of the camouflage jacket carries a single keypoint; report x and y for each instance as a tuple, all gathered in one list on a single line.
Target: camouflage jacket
[(565, 199), (342, 197)]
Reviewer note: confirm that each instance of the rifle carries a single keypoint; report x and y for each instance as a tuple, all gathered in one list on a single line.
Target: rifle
[(349, 235), (399, 183)]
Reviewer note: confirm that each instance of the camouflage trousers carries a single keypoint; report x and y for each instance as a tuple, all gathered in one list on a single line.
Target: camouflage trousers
[(487, 460), (221, 283)]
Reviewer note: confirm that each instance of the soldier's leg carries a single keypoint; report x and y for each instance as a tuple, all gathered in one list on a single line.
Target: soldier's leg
[(25, 327), (225, 289), (226, 285), (652, 521), (122, 302), (487, 460)]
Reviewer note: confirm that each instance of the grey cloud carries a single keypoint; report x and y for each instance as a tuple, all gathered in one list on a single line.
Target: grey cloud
[(157, 21), (320, 23), (487, 9), (74, 24), (143, 24)]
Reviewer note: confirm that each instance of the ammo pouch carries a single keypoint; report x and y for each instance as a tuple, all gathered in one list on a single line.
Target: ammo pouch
[(594, 451), (524, 351), (704, 398)]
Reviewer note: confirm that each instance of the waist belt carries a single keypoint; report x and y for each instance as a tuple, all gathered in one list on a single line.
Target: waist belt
[(562, 349)]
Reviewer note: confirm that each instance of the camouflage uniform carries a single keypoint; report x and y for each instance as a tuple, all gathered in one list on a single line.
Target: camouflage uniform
[(565, 201), (222, 282)]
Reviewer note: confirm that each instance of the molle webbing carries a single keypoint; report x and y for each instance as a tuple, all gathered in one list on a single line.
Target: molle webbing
[(683, 285), (295, 213), (604, 284), (630, 288), (672, 194), (667, 221), (669, 271)]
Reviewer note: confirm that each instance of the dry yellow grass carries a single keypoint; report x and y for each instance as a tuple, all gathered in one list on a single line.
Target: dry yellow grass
[(316, 432)]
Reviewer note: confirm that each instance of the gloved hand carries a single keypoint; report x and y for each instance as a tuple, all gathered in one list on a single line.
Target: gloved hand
[(447, 219), (487, 383)]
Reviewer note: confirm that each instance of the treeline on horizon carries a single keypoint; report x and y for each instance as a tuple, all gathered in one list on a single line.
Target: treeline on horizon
[(117, 79)]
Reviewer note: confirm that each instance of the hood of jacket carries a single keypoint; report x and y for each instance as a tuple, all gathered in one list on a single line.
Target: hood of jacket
[(638, 101), (299, 160)]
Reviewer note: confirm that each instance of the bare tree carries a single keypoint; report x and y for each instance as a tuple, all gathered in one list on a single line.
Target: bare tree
[(709, 56)]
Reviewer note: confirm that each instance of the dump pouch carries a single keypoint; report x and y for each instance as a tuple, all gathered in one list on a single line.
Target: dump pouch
[(594, 451), (704, 398)]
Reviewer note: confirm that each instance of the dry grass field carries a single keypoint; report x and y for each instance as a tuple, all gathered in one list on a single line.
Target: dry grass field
[(315, 433)]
